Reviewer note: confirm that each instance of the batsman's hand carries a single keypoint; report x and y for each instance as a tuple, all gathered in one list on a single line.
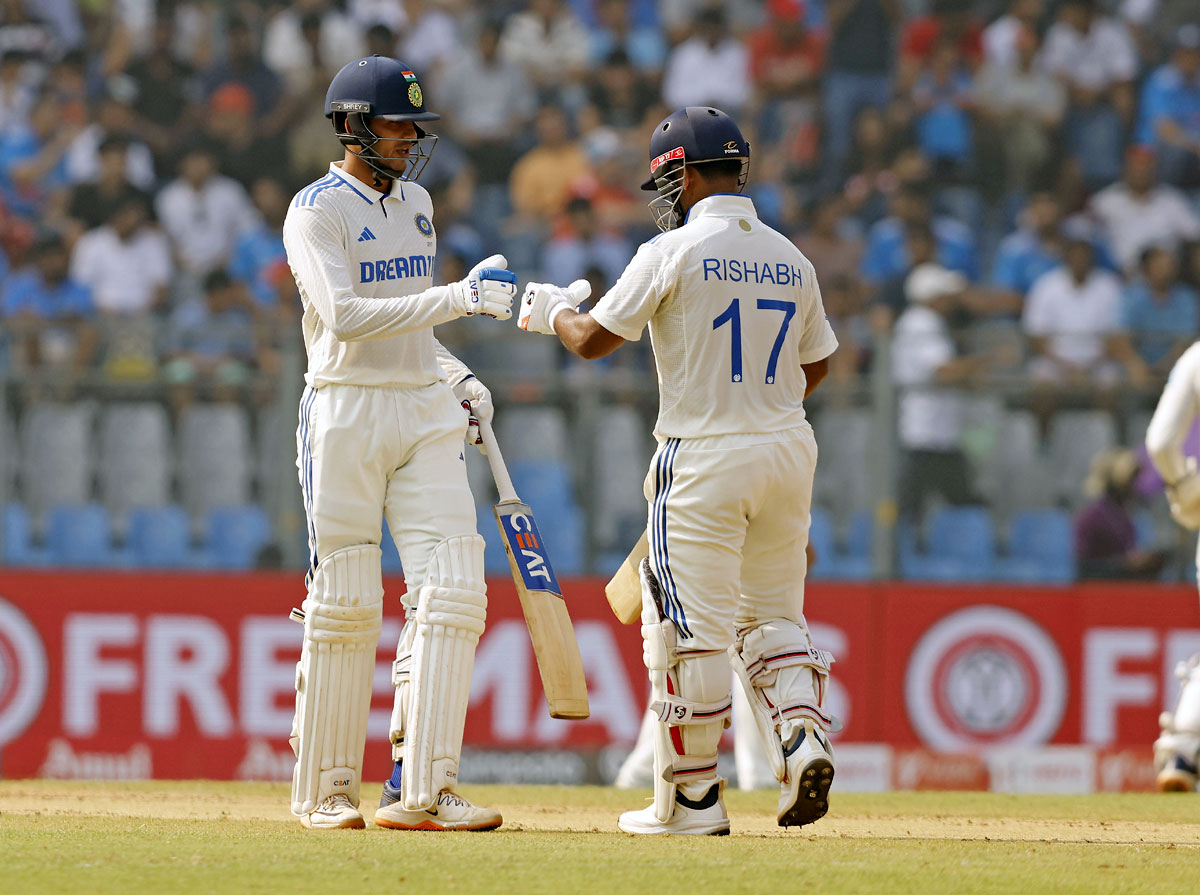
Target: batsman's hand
[(488, 289), (477, 402), (1184, 498), (542, 302)]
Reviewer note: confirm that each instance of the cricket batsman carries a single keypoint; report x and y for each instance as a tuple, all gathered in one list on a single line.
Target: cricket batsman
[(740, 340), (381, 432), (1177, 749)]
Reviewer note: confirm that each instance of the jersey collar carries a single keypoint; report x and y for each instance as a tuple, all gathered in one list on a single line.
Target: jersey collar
[(722, 205), (368, 194)]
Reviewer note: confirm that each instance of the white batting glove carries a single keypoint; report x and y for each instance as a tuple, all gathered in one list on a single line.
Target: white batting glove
[(488, 289), (543, 301), (477, 402)]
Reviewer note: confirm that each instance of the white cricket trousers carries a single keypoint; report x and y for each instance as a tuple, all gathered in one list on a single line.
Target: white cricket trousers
[(367, 452), (728, 524)]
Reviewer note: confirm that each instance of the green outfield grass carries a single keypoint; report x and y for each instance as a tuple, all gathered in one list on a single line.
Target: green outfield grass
[(205, 837)]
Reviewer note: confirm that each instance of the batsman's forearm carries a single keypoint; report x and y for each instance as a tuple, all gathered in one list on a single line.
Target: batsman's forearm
[(584, 336), (352, 318)]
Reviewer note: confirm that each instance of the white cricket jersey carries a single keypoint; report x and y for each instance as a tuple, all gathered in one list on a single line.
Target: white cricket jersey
[(1173, 417), (363, 261), (734, 310)]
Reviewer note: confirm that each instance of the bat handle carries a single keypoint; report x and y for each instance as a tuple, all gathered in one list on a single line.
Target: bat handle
[(504, 485)]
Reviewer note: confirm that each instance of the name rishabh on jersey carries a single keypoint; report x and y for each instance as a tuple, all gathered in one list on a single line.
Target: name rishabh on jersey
[(734, 312), (345, 238)]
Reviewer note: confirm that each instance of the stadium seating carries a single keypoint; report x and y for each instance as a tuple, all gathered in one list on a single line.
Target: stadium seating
[(1076, 436), (841, 484), (532, 434), (215, 455), (160, 537), (56, 457), (1040, 547), (17, 548), (80, 536), (850, 562), (135, 459), (960, 545), (622, 455), (236, 534)]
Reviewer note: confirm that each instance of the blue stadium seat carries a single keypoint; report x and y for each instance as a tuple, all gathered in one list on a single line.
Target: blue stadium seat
[(236, 534), (1041, 547), (960, 546), (160, 537), (80, 536), (19, 549), (821, 537), (391, 557)]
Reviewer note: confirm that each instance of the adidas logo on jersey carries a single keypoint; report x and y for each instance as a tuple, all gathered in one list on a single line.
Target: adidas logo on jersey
[(366, 235)]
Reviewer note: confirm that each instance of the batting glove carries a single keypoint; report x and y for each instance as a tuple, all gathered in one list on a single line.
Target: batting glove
[(477, 402), (488, 289), (542, 302)]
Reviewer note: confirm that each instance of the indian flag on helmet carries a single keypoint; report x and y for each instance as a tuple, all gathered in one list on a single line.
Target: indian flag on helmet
[(408, 75)]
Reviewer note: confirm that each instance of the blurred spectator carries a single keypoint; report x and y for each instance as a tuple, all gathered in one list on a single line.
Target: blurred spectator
[(1034, 248), (259, 260), (488, 104), (55, 312), (203, 211), (391, 14), (126, 262), (1095, 58), (845, 303), (1160, 314), (1022, 107), (243, 151), (1138, 211), (1105, 536), (244, 66), (113, 118), (949, 23), (930, 375), (16, 93), (613, 166), (540, 182), (209, 340), (307, 41), (618, 98), (616, 31), (430, 38), (943, 101), (33, 167), (679, 17), (860, 67), (833, 249), (1070, 315), (886, 253), (20, 30), (582, 245), (90, 203), (710, 68), (1003, 38), (550, 44), (166, 89), (891, 299), (868, 174), (1170, 113)]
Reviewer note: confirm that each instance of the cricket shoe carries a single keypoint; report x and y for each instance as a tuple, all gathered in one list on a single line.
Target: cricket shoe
[(1177, 775), (703, 817), (449, 813), (335, 813), (805, 795)]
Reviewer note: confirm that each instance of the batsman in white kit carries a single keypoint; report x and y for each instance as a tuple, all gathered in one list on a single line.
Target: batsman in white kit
[(740, 339), (1177, 749), (382, 427)]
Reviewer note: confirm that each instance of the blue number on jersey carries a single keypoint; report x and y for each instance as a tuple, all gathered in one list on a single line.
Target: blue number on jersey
[(733, 316)]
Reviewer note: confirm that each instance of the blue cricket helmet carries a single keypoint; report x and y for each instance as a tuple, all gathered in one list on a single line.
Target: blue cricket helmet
[(379, 87), (691, 136)]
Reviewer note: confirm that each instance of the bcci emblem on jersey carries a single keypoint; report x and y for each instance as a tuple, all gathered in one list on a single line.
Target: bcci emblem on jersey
[(423, 224)]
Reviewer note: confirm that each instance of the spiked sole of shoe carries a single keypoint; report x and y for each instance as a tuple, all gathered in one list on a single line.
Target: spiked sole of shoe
[(1175, 783), (429, 826), (812, 798)]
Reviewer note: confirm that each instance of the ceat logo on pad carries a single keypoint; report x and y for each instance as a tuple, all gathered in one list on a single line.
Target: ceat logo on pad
[(525, 542)]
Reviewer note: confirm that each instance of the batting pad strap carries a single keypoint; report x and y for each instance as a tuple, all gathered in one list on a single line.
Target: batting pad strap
[(401, 677), (334, 678), (677, 712), (450, 616)]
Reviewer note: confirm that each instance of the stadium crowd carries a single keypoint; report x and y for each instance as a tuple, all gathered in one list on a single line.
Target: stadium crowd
[(1037, 162)]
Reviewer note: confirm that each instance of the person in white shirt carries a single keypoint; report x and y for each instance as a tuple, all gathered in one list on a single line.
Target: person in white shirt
[(712, 66), (1177, 749), (381, 434), (126, 262), (1138, 211), (740, 340)]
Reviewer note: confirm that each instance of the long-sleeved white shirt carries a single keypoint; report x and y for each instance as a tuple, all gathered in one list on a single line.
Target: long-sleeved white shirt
[(363, 261)]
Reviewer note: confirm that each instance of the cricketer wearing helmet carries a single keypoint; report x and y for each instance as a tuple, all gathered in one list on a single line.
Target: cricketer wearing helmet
[(1177, 749), (382, 423), (740, 340)]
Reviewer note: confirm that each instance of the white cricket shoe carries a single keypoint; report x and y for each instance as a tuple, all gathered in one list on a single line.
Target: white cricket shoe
[(450, 812), (335, 813), (1176, 771), (805, 792), (704, 817)]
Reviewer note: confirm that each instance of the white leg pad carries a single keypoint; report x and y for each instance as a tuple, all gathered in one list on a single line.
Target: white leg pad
[(691, 700), (1181, 728), (786, 680), (451, 610), (334, 676), (401, 678)]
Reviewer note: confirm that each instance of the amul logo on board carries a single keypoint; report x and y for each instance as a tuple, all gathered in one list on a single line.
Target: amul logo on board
[(985, 676), (22, 672)]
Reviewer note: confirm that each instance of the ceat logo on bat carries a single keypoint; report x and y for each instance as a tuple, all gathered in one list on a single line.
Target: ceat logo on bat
[(525, 542)]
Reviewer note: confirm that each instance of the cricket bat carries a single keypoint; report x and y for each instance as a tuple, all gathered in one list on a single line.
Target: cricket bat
[(541, 597), (624, 590)]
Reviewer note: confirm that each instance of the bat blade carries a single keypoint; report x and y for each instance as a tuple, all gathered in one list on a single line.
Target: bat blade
[(624, 590), (546, 614)]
